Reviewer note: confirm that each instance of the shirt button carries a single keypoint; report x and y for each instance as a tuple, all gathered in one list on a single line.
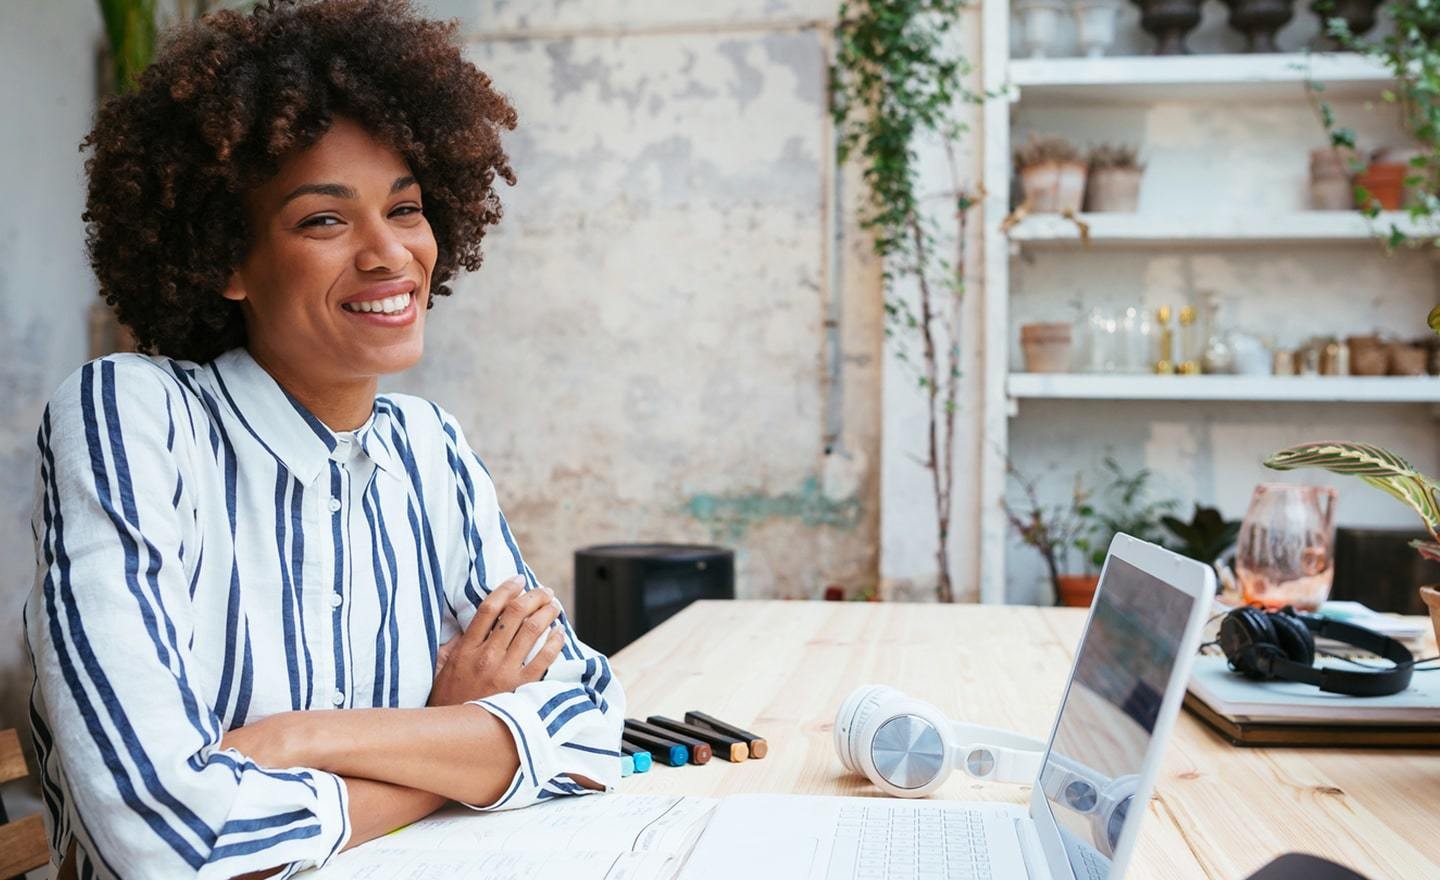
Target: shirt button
[(336, 600), (334, 505), (339, 698)]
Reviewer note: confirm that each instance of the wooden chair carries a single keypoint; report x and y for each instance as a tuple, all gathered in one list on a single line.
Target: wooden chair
[(23, 846)]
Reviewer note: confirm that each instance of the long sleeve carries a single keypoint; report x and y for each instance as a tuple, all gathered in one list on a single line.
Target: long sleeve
[(122, 718), (569, 723)]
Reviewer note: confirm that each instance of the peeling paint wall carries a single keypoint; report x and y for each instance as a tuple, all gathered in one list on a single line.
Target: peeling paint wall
[(643, 355)]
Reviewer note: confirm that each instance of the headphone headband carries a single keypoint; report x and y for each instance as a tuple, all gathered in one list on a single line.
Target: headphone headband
[(1352, 682), (1280, 644)]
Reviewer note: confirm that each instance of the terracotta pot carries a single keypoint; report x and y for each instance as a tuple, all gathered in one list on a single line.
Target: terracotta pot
[(1408, 360), (1385, 182), (1169, 21), (1368, 356), (1359, 16), (1113, 189), (1431, 597), (1054, 187), (1412, 195), (1046, 347), (1332, 194), (1078, 590), (1330, 187), (1259, 21)]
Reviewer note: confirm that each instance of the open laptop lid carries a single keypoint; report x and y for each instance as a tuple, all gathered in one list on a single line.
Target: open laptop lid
[(1120, 704)]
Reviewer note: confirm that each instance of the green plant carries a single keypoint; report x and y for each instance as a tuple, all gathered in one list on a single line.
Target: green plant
[(131, 27), (1129, 509), (1412, 54), (1380, 468), (898, 79), (1052, 530), (1205, 537)]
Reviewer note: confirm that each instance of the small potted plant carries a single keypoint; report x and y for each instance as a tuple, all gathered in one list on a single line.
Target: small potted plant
[(1205, 538), (1114, 180), (1080, 526), (1052, 174), (1129, 508), (1054, 531)]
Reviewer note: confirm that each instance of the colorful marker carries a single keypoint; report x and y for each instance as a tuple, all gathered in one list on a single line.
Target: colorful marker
[(627, 766), (641, 757), (700, 751), (758, 746), (663, 750), (727, 747)]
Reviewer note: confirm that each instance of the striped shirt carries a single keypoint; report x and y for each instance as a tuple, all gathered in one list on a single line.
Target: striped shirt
[(209, 553)]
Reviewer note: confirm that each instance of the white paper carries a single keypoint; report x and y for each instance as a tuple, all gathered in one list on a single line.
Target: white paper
[(590, 837)]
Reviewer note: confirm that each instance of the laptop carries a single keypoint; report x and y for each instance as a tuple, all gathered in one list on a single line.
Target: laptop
[(1104, 752)]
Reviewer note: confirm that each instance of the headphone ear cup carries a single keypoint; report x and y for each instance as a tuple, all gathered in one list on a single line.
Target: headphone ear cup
[(1293, 637), (1245, 634), (905, 747), (850, 720)]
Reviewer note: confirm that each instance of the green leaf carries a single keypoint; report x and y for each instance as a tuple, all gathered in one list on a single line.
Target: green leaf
[(1380, 468)]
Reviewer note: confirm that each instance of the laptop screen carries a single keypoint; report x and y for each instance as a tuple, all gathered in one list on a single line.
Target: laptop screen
[(1108, 715)]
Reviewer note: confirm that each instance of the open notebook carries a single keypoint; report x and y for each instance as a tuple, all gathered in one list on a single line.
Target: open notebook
[(595, 837)]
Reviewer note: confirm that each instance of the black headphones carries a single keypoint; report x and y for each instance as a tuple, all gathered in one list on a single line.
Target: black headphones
[(1281, 645)]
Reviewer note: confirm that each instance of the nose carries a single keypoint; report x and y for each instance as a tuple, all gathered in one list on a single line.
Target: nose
[(381, 249)]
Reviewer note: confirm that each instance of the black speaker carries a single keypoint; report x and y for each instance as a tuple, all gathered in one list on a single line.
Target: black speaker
[(623, 591)]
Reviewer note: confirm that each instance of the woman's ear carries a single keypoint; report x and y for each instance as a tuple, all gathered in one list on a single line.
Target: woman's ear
[(235, 288)]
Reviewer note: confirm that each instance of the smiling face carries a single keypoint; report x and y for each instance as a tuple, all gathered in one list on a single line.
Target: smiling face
[(337, 278)]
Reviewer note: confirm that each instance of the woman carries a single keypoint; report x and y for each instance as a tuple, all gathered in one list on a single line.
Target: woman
[(235, 536)]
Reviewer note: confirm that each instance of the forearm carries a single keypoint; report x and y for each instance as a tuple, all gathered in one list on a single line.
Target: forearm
[(377, 808), (457, 752)]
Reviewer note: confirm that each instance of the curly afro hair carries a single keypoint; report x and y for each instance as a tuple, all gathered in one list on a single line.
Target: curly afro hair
[(226, 100)]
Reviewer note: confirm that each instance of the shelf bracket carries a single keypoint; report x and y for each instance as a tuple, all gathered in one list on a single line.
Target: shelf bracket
[(1012, 407)]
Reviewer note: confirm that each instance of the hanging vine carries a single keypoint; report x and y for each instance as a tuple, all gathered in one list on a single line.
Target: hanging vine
[(898, 80)]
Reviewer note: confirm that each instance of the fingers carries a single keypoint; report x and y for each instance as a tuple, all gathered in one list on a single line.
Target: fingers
[(491, 607), (531, 633), (509, 624), (540, 663)]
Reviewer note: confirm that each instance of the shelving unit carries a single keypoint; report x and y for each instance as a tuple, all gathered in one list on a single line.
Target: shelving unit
[(1226, 137), (1271, 389), (1144, 79), (1140, 230)]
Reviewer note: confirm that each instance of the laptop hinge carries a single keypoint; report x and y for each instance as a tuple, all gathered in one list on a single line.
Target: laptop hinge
[(1030, 850)]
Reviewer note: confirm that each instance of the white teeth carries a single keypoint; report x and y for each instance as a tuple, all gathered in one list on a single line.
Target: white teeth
[(390, 305)]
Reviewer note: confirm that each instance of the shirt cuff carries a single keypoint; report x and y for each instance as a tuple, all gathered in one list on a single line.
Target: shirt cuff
[(332, 808), (538, 760)]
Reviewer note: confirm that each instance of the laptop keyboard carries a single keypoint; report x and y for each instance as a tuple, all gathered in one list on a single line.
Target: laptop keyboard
[(887, 843)]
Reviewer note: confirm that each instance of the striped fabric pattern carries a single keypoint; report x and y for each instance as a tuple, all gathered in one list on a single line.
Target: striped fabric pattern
[(209, 553)]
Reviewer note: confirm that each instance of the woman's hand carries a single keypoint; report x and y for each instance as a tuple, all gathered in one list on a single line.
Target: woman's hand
[(489, 657)]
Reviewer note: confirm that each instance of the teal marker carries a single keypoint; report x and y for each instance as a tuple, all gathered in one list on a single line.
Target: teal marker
[(627, 766), (642, 762)]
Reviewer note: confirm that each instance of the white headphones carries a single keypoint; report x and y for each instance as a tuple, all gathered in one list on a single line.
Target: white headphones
[(1104, 801), (908, 747)]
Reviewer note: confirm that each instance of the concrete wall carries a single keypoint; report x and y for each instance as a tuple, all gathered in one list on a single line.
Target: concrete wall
[(47, 92), (644, 355)]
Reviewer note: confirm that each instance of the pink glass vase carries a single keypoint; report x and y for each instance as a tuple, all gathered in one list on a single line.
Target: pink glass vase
[(1284, 555)]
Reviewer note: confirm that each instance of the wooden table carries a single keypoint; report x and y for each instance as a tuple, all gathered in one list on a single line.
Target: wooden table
[(782, 669)]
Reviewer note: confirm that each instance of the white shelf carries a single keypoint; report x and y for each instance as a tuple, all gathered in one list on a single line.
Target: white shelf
[(1147, 78), (1299, 389), (1141, 230)]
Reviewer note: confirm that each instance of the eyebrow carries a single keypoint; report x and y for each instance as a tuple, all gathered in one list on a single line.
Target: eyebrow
[(340, 190)]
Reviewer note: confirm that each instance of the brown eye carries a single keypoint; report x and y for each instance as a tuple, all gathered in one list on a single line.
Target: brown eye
[(316, 222)]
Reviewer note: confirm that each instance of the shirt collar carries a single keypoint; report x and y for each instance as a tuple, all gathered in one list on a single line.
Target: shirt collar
[(291, 433)]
